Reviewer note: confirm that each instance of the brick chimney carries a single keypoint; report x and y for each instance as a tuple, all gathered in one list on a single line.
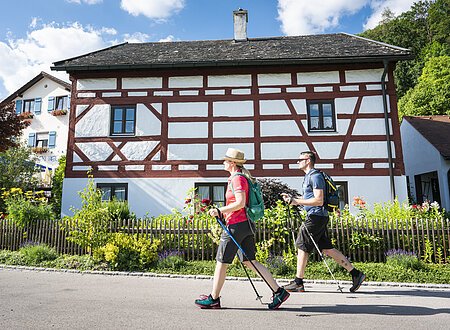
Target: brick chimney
[(240, 19)]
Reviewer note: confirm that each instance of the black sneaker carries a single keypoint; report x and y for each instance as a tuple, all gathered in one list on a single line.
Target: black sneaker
[(294, 287), (207, 302), (278, 298), (357, 281)]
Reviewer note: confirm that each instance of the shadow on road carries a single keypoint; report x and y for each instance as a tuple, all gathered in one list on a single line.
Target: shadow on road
[(411, 292), (374, 310)]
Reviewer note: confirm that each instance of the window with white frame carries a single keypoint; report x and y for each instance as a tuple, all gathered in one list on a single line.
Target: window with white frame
[(61, 102)]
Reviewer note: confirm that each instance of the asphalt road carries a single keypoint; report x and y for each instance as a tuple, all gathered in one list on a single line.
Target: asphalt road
[(54, 300)]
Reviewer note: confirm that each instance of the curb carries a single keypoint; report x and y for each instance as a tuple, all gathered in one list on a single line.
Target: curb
[(208, 277)]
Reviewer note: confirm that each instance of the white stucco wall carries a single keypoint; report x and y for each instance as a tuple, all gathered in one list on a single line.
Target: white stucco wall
[(45, 122), (421, 157), (160, 196)]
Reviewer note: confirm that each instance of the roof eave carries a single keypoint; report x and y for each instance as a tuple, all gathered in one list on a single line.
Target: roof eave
[(338, 60)]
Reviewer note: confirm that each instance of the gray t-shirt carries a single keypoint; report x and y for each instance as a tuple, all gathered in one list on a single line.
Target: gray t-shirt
[(313, 180)]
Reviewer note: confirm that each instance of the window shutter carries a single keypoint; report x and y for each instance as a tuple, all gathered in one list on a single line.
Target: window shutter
[(51, 139), (51, 103), (37, 105), (68, 103), (18, 106), (31, 139)]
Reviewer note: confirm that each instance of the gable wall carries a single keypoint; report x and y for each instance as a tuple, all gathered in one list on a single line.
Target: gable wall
[(187, 119)]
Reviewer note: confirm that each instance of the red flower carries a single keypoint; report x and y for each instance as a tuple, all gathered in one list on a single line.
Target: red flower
[(206, 201), (187, 201), (203, 209), (191, 217)]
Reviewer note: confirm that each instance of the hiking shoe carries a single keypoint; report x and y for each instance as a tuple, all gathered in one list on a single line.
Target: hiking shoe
[(278, 298), (207, 302), (294, 287), (357, 281)]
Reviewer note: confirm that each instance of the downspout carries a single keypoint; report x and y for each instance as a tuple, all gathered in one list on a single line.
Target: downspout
[(388, 133)]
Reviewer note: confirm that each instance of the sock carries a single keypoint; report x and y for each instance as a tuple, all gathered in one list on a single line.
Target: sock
[(298, 280), (354, 272), (278, 290)]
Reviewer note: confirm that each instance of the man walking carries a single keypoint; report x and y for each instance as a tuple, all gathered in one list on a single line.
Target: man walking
[(316, 224)]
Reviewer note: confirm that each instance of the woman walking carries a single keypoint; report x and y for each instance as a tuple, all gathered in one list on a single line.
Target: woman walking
[(242, 230)]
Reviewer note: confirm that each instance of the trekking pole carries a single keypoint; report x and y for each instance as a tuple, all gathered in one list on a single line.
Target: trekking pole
[(320, 253), (251, 262)]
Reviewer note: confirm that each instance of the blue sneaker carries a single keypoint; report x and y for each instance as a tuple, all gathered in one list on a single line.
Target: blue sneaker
[(207, 302), (278, 298)]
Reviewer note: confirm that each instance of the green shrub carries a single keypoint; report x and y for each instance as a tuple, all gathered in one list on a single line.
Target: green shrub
[(128, 252), (404, 259), (11, 257), (89, 226), (171, 259), (278, 266), (272, 190), (119, 210), (36, 254), (26, 208)]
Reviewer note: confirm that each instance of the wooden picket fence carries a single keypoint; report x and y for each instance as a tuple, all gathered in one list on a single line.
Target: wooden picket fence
[(362, 240)]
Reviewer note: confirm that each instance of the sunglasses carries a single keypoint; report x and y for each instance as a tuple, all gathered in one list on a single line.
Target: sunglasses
[(302, 159)]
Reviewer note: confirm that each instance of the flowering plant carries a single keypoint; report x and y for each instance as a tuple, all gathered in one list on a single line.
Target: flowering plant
[(59, 112), (26, 115), (39, 150)]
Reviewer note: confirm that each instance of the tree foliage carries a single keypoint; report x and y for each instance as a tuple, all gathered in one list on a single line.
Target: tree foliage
[(57, 185), (425, 30), (11, 127), (431, 95)]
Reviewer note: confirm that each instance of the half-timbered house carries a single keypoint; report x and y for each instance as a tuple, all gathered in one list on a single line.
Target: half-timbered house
[(153, 120)]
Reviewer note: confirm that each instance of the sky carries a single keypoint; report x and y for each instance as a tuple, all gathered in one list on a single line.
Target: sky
[(36, 33)]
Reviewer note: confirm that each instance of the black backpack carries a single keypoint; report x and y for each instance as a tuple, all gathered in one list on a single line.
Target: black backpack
[(330, 194)]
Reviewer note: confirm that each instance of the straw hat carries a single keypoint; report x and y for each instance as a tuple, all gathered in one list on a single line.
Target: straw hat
[(235, 155)]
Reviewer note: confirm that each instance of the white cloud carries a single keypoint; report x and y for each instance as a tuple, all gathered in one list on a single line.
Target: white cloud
[(378, 7), (169, 38), (154, 9), (308, 17), (88, 2), (22, 59), (136, 37)]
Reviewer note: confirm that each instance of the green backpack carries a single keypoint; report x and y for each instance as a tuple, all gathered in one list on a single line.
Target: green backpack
[(255, 204)]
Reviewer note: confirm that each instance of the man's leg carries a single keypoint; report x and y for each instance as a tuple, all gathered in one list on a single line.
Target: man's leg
[(358, 277), (339, 258), (302, 260)]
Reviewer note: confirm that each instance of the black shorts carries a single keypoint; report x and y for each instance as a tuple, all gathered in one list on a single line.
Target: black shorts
[(243, 234), (317, 226)]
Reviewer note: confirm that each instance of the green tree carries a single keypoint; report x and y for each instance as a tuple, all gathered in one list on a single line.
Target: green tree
[(11, 126), (57, 185), (439, 21), (17, 170), (89, 226), (431, 95)]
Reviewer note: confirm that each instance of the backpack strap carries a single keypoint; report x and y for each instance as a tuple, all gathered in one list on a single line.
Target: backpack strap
[(231, 180), (324, 188)]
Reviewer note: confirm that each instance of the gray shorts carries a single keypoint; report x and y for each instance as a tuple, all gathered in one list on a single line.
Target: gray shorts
[(243, 234)]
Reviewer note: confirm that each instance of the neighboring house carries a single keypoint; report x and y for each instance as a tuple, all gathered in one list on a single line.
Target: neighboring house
[(154, 119), (426, 150), (44, 101)]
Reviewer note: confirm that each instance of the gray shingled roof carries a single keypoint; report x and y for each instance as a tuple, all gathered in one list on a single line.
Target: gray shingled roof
[(436, 129), (322, 48), (32, 82)]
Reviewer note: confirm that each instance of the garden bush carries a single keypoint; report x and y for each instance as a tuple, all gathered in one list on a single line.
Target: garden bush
[(171, 259), (405, 259), (24, 209), (128, 252), (35, 254)]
